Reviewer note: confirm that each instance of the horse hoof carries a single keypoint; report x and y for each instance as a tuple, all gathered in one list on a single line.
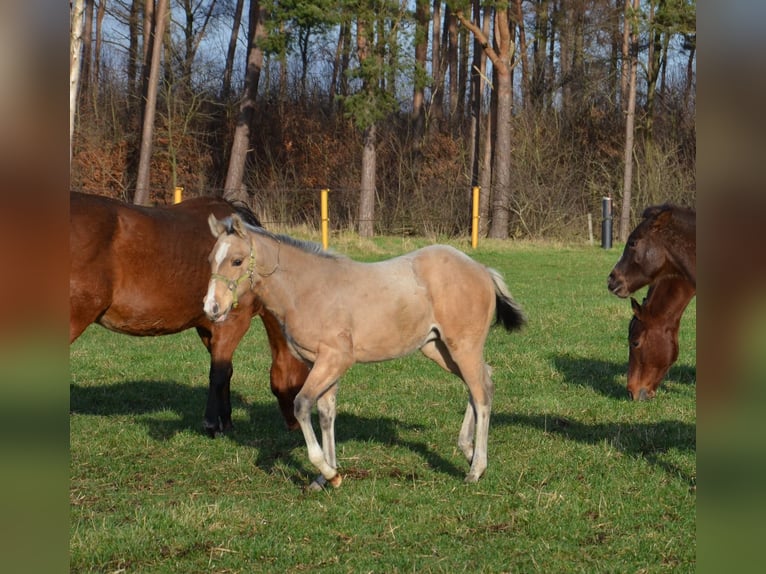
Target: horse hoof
[(336, 480), (472, 478), (318, 484)]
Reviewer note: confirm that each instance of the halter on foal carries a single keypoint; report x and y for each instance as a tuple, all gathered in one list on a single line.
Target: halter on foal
[(336, 312), (653, 335), (142, 271)]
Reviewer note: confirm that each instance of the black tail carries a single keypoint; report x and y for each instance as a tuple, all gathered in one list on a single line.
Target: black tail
[(508, 313)]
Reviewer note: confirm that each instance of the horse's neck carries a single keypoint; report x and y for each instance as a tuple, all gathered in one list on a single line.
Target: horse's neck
[(279, 267), (669, 298), (681, 244)]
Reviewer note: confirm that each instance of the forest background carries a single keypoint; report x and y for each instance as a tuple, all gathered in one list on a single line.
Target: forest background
[(398, 107)]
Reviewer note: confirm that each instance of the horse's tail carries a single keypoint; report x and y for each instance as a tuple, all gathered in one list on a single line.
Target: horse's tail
[(508, 312)]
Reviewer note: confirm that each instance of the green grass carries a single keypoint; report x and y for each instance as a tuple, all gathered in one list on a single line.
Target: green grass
[(579, 478)]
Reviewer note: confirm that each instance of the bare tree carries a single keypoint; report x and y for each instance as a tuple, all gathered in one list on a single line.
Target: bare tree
[(75, 55), (369, 155), (501, 61), (141, 196), (631, 19), (421, 52), (234, 188), (230, 52)]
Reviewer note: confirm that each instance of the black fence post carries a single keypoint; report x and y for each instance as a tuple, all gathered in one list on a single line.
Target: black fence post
[(606, 222)]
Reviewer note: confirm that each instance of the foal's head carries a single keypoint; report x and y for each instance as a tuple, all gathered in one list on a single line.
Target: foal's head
[(232, 263), (653, 348)]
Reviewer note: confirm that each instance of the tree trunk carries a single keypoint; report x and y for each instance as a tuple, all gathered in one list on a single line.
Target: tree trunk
[(501, 60), (452, 62), (437, 66), (630, 20), (688, 87), (87, 50), (519, 15), (233, 188), (421, 53), (477, 71), (538, 84), (97, 56), (132, 69), (462, 82), (231, 51), (75, 64), (141, 196), (367, 186), (625, 75)]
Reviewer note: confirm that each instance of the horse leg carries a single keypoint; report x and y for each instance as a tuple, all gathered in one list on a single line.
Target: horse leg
[(327, 410), (467, 429), (221, 341), (481, 389), (437, 351), (328, 368), (288, 373), (476, 374)]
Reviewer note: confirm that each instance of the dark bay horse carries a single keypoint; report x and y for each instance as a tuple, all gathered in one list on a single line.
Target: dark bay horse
[(653, 334), (143, 271), (664, 244), (336, 312)]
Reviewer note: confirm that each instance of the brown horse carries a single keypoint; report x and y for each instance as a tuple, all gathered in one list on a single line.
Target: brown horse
[(336, 312), (664, 244), (143, 271), (653, 334)]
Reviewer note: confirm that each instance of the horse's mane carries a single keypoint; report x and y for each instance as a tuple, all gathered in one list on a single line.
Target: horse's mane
[(307, 246), (244, 211)]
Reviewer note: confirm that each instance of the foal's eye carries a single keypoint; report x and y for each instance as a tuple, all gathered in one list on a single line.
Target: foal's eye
[(236, 262), (632, 243), (634, 343)]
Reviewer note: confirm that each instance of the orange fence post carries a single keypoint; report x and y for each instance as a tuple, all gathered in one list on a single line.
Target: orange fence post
[(475, 218), (325, 218), (178, 194)]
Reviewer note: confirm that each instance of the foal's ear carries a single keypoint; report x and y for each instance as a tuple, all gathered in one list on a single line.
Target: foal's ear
[(636, 308), (238, 226), (216, 227)]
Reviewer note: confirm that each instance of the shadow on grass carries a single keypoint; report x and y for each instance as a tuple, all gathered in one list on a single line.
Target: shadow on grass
[(265, 428), (648, 441), (610, 378)]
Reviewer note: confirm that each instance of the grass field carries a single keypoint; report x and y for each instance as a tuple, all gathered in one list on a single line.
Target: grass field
[(579, 478)]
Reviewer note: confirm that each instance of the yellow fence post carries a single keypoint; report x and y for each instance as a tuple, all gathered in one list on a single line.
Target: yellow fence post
[(475, 218), (178, 194), (325, 219)]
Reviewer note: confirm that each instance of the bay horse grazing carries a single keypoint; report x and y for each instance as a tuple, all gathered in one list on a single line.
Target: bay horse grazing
[(664, 244), (336, 312), (143, 271), (653, 334)]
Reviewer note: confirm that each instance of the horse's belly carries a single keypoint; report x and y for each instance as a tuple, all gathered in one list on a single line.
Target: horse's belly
[(396, 336), (144, 321)]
